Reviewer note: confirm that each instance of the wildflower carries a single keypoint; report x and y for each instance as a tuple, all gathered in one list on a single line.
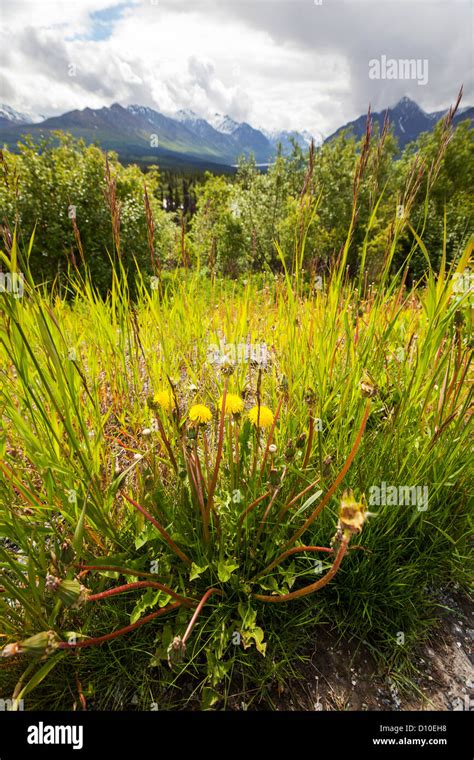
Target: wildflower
[(261, 416), (352, 513), (227, 365), (272, 448), (367, 386), (233, 403), (163, 399), (200, 414)]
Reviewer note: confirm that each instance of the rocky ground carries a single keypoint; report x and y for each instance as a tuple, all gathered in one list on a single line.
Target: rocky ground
[(337, 678)]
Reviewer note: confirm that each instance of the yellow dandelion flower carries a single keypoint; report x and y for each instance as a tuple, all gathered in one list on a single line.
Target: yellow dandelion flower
[(163, 399), (261, 416), (200, 414), (233, 403)]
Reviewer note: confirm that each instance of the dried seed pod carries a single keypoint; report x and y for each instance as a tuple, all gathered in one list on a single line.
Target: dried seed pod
[(367, 386), (352, 513)]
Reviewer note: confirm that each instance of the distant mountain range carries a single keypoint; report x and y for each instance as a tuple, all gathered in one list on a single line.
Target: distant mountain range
[(139, 133), (408, 121)]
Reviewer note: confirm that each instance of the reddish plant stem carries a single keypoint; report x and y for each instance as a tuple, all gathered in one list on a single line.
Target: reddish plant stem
[(140, 584), (113, 568), (80, 693), (206, 458), (313, 586), (270, 436), (257, 428), (163, 532), (220, 442), (249, 509), (285, 509), (332, 489), (237, 450), (267, 511), (310, 441), (257, 445), (195, 480), (165, 440), (198, 610), (200, 473), (295, 550), (337, 481), (120, 632)]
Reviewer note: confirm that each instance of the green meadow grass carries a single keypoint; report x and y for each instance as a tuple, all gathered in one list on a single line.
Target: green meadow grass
[(106, 484)]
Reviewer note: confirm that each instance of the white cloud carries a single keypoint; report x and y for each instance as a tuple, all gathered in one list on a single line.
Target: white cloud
[(275, 63)]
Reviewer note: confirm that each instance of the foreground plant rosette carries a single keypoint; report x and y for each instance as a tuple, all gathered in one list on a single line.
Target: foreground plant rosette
[(239, 519), (204, 518)]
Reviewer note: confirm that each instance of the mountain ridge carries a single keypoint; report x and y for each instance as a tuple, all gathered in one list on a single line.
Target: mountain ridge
[(408, 119), (144, 134)]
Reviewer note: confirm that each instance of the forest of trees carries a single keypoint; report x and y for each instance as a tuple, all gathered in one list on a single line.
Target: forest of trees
[(67, 192)]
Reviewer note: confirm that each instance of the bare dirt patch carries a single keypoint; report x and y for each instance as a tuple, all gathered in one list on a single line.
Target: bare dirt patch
[(342, 677)]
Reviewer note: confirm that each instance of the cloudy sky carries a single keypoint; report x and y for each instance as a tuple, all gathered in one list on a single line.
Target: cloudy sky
[(286, 64)]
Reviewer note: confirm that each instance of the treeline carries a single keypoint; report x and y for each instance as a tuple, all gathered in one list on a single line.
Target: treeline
[(362, 198)]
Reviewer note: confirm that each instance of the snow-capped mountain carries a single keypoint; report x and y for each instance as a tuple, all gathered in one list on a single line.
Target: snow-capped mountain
[(285, 138), (187, 115), (9, 115), (140, 133), (407, 118), (224, 124)]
